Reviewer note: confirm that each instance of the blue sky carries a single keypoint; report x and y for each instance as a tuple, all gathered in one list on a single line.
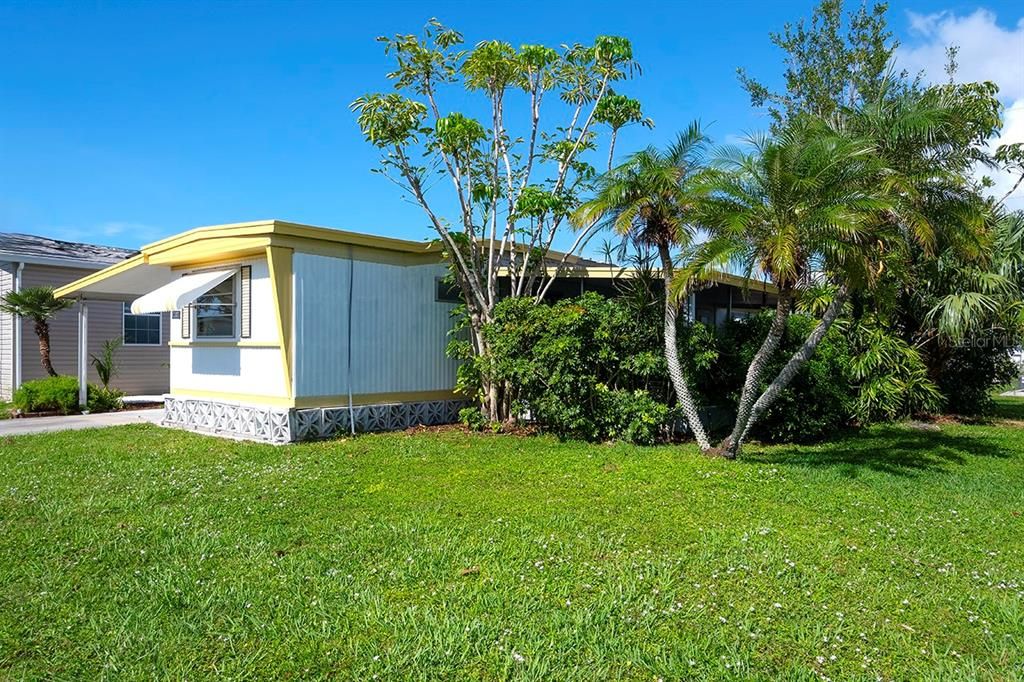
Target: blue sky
[(124, 122)]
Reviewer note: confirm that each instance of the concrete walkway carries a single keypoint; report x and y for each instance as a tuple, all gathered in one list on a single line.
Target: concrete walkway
[(20, 427)]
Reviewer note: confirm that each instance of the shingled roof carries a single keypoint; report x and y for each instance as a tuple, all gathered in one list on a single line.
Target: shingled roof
[(28, 246)]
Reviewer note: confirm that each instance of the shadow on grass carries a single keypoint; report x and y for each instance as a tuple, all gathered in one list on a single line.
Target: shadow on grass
[(1009, 408), (900, 450)]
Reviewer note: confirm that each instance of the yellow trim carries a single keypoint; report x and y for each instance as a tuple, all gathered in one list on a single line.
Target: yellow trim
[(206, 251), (279, 259), (245, 398), (283, 228), (315, 401), (235, 262), (225, 344), (216, 243), (360, 253), (100, 275), (616, 271), (373, 398)]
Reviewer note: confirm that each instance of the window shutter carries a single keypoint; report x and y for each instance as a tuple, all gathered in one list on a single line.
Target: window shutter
[(245, 292), (186, 322)]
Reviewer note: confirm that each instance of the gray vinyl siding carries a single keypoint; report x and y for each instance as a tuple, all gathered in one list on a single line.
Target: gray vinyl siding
[(6, 335), (142, 369)]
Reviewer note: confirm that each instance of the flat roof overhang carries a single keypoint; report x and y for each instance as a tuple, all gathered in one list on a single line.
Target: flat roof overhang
[(612, 271), (159, 263)]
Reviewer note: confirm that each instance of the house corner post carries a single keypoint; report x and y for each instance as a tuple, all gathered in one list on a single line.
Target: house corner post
[(83, 355), (279, 260)]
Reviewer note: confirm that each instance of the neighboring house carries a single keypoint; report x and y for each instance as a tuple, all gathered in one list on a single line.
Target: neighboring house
[(284, 332), (29, 261)]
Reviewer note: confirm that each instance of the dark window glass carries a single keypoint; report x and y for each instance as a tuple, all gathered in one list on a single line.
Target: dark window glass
[(141, 330), (448, 292), (215, 311)]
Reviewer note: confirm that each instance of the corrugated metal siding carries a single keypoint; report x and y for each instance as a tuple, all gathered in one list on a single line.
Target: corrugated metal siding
[(6, 334), (399, 331), (142, 369)]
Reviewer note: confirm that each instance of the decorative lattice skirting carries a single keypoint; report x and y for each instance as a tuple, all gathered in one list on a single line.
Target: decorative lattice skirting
[(284, 425)]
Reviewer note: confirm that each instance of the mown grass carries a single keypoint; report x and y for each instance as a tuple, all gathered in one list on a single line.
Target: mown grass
[(135, 552)]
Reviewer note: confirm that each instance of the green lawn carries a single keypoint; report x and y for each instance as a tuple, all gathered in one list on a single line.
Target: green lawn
[(134, 552)]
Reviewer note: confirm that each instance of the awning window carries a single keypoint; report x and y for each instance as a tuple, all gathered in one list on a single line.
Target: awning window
[(180, 292)]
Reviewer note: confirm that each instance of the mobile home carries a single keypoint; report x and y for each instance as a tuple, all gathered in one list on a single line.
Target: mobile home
[(282, 332)]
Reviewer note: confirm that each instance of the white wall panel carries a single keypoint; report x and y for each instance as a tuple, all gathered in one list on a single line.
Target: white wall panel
[(250, 371)]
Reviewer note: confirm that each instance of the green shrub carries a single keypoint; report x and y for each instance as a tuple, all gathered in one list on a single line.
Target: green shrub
[(592, 368), (891, 375), (971, 371), (587, 368), (52, 394), (60, 394), (633, 417), (820, 399), (104, 399), (472, 418)]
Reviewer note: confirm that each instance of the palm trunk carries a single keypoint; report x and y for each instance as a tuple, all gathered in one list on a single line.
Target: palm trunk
[(731, 445), (796, 362), (43, 332), (675, 369)]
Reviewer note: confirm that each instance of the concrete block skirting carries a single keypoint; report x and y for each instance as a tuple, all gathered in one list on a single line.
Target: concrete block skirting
[(288, 425)]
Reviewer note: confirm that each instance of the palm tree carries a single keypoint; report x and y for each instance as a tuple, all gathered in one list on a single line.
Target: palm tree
[(39, 305), (958, 278), (802, 209), (650, 198)]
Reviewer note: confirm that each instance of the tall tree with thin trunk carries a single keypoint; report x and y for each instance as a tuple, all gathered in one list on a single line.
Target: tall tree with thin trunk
[(508, 181), (39, 305), (651, 198)]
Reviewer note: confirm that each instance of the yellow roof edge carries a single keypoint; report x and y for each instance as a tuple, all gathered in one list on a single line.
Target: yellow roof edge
[(358, 238), (612, 270), (162, 243), (284, 227), (99, 275)]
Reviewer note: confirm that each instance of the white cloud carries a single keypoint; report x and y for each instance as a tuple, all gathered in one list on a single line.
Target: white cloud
[(1013, 131), (988, 52)]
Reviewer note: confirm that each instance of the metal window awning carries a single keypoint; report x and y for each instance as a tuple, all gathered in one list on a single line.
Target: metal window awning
[(180, 292)]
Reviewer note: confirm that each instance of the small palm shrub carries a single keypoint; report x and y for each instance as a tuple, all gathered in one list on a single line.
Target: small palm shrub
[(106, 361)]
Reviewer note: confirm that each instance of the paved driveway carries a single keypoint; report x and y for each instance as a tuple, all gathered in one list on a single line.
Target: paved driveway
[(20, 427)]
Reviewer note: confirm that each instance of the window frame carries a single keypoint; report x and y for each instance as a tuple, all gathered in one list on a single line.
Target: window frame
[(126, 310), (235, 321), (439, 282)]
